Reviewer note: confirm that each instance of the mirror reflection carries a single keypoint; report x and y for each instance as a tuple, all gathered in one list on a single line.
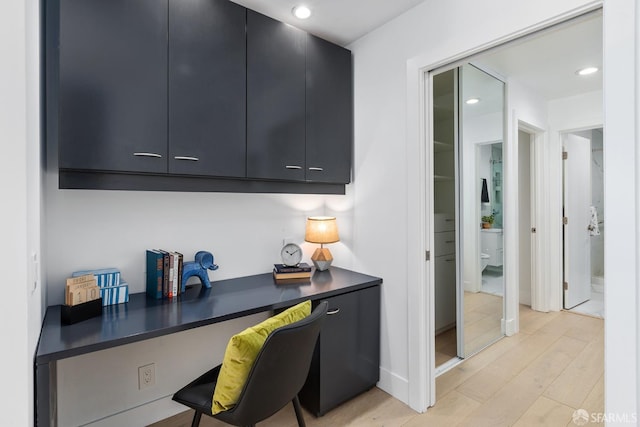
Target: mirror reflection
[(468, 127), (482, 124)]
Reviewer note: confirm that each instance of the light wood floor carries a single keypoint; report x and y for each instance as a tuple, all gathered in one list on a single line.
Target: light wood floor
[(446, 346), (482, 325), (538, 377)]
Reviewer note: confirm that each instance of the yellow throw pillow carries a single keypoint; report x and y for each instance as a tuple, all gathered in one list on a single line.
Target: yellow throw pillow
[(242, 350)]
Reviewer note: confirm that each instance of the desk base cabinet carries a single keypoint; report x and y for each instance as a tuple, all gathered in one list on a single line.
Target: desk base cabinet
[(346, 360)]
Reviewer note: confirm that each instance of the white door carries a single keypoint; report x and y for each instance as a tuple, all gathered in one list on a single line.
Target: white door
[(577, 204)]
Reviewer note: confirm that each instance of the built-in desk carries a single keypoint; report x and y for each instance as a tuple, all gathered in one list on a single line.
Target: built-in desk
[(143, 318)]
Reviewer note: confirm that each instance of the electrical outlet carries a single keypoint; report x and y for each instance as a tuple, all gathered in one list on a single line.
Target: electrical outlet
[(146, 376)]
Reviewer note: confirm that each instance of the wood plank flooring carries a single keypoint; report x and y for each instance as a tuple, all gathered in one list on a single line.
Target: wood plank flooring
[(538, 377), (482, 319)]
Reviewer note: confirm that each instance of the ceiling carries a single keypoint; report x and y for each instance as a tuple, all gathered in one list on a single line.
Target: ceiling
[(545, 63), (339, 21)]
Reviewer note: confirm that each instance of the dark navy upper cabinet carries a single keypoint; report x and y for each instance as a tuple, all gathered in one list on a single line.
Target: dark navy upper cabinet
[(112, 110), (329, 108), (207, 88), (299, 104), (276, 55), (194, 95)]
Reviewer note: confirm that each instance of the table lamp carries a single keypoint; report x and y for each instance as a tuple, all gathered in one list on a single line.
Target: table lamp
[(321, 229)]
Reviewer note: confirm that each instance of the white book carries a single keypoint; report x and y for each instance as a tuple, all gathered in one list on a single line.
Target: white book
[(172, 265), (175, 260)]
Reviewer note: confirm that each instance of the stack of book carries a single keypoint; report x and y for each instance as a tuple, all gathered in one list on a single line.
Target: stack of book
[(164, 273), (113, 290), (286, 273)]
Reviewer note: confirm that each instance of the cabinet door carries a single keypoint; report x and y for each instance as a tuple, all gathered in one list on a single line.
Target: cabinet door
[(113, 85), (347, 359), (445, 292), (329, 112), (275, 99), (207, 88)]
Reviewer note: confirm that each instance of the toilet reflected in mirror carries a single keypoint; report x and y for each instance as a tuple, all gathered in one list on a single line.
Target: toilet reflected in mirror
[(491, 259), (490, 173)]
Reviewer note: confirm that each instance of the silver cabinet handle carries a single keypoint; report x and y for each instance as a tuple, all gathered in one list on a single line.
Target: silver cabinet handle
[(193, 159), (147, 155), (450, 241), (336, 311), (293, 167), (316, 169), (450, 260)]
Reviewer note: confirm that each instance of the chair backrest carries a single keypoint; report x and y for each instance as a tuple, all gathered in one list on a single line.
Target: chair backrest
[(280, 370)]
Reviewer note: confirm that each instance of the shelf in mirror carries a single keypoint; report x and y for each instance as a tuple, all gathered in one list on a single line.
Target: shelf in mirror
[(439, 146)]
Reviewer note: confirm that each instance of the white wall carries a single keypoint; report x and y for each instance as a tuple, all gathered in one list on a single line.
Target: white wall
[(94, 229), (622, 193), (20, 311)]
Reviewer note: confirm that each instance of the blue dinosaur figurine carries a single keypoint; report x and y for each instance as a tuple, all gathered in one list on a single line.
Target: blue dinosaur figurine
[(203, 262)]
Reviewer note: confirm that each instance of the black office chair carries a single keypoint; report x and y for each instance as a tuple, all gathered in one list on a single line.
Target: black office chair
[(276, 378)]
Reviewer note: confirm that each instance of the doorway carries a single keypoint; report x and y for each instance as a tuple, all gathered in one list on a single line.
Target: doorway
[(534, 98), (526, 208), (583, 222)]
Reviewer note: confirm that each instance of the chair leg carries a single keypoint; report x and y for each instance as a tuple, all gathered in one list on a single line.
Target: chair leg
[(298, 409), (196, 419)]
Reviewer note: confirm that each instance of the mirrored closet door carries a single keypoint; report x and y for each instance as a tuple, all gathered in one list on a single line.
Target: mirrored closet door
[(468, 133)]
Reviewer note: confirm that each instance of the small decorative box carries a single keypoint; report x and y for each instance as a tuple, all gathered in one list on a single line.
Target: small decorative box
[(104, 277), (115, 294)]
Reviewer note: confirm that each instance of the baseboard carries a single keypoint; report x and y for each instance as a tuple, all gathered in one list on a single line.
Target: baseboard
[(508, 327), (597, 284), (394, 384)]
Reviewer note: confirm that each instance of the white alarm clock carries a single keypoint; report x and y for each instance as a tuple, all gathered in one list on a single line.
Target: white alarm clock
[(291, 254)]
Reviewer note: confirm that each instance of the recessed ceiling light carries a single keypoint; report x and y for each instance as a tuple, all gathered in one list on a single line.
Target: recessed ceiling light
[(472, 101), (587, 71), (301, 12)]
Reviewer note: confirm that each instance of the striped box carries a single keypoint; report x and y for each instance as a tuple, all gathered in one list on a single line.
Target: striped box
[(115, 294), (105, 277)]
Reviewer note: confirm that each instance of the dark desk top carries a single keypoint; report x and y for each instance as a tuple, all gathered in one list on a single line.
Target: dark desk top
[(143, 318)]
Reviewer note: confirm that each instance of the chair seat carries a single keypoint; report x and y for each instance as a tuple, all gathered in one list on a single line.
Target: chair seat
[(198, 394)]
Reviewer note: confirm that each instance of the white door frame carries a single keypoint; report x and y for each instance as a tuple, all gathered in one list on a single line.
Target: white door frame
[(554, 287), (421, 328), (539, 292)]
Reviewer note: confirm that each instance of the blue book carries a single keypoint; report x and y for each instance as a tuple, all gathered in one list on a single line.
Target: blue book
[(155, 273)]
